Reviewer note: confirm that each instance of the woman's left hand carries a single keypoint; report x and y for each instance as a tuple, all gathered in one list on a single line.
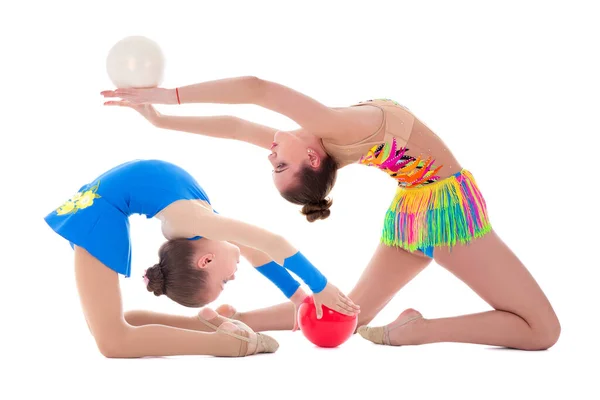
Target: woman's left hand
[(146, 110), (144, 96)]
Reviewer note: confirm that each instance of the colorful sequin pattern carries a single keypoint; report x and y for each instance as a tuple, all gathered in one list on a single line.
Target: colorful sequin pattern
[(410, 172)]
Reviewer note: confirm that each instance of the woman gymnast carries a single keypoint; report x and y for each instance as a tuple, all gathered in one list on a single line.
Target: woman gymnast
[(200, 256), (438, 213)]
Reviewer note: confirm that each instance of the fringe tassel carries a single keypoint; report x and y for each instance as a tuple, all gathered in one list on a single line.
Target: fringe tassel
[(443, 213)]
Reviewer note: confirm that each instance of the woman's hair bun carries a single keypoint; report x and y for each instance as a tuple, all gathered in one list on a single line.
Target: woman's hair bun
[(318, 210)]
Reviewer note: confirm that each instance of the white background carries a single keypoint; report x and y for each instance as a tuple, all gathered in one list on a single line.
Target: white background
[(512, 88)]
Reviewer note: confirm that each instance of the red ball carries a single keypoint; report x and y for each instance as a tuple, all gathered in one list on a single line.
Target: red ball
[(331, 330)]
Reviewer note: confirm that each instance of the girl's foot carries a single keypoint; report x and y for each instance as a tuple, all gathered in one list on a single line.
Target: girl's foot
[(213, 319), (405, 330), (227, 311), (248, 342)]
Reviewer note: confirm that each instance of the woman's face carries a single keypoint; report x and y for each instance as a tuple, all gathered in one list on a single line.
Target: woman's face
[(290, 152)]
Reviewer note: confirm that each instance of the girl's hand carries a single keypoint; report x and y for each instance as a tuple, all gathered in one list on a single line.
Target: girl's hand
[(144, 96), (334, 299), (297, 299), (146, 110)]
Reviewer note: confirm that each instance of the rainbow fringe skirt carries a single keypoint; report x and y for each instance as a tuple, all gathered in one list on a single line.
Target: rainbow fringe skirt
[(444, 213)]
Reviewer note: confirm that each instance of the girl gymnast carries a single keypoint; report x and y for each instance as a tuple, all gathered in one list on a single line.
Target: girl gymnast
[(438, 213), (200, 256)]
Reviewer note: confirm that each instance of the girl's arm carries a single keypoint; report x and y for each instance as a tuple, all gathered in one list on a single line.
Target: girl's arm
[(255, 257), (274, 272), (217, 227), (273, 254)]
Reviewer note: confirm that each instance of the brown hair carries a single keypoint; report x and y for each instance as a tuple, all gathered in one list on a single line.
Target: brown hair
[(313, 189), (176, 275)]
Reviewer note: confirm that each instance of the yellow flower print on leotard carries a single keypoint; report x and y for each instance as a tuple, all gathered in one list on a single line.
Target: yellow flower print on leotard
[(86, 200), (66, 208), (79, 201)]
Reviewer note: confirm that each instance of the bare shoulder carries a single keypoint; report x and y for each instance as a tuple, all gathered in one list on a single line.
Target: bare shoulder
[(356, 123), (366, 118)]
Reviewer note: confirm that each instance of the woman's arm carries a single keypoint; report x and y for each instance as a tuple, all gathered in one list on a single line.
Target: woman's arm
[(302, 109), (225, 127)]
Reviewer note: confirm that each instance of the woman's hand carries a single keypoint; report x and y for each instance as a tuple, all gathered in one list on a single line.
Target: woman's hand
[(144, 96), (334, 299), (146, 110)]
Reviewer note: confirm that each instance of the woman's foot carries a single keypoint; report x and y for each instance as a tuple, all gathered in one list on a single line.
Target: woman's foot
[(249, 342), (405, 330)]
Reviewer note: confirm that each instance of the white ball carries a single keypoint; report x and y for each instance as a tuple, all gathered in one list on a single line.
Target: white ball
[(135, 62)]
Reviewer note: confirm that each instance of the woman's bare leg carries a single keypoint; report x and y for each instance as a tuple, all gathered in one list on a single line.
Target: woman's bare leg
[(100, 296), (522, 317), (387, 272)]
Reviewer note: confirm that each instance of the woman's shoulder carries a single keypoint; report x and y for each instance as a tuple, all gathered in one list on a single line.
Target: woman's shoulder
[(389, 108)]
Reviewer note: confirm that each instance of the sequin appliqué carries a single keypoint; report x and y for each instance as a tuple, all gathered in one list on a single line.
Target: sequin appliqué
[(408, 171)]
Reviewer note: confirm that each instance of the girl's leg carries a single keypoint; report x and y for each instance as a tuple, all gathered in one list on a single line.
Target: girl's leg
[(387, 272), (279, 317), (522, 317), (100, 296), (194, 323)]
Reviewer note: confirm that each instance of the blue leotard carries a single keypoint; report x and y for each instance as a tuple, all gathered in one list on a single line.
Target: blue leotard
[(97, 217)]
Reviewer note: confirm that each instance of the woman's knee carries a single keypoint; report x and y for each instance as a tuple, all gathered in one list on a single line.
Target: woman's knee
[(547, 334)]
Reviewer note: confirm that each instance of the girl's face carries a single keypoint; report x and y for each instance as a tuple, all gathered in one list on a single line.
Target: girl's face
[(221, 264), (290, 153)]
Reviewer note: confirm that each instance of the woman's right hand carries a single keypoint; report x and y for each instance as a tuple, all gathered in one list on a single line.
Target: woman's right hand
[(146, 110)]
